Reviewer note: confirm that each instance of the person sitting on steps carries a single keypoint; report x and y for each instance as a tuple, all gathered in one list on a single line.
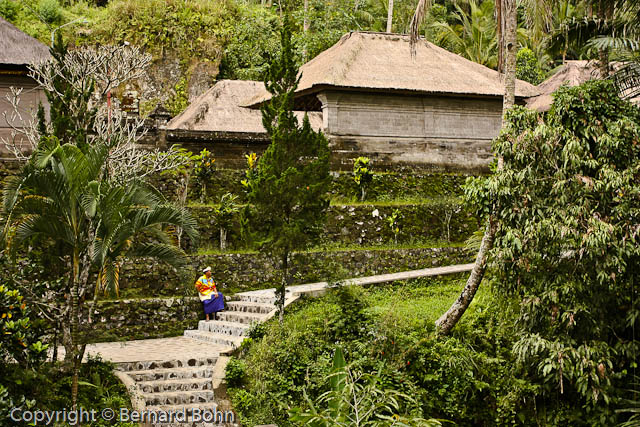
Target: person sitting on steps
[(212, 300)]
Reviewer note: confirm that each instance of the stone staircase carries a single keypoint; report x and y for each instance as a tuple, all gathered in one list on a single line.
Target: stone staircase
[(232, 324), (191, 384)]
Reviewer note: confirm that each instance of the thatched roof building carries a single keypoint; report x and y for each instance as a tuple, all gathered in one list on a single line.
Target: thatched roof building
[(216, 121), (17, 51), (219, 110), (382, 62), (372, 98), (572, 73)]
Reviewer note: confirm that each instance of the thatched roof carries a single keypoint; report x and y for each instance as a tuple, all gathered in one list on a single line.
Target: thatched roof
[(18, 48), (382, 62), (218, 110), (572, 73)]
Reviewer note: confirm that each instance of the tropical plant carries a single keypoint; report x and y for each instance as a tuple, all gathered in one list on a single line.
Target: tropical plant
[(60, 197), (394, 221), (356, 399), (473, 35), (527, 67), (203, 170), (224, 214), (362, 175), (290, 184), (567, 247)]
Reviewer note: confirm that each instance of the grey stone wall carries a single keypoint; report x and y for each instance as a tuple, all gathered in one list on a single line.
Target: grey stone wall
[(452, 132), (247, 271), (30, 98)]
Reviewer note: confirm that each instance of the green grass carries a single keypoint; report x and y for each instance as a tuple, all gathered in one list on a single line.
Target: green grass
[(414, 304), (352, 247), (409, 201)]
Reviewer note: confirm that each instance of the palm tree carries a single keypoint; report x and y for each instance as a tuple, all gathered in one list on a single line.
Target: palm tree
[(506, 13), (474, 36), (61, 196)]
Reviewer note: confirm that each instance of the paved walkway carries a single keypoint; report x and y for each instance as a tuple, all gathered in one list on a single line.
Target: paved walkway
[(318, 287), (152, 349)]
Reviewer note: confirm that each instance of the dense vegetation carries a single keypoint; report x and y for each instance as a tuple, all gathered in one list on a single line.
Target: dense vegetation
[(551, 343), (242, 38)]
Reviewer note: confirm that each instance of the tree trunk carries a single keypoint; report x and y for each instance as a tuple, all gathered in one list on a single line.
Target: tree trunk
[(305, 29), (510, 48), (447, 321), (223, 238), (389, 16), (500, 35), (74, 328), (283, 287)]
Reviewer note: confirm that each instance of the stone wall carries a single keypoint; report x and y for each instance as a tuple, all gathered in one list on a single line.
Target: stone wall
[(403, 184), (365, 225), (451, 132), (247, 271), (130, 319), (30, 98)]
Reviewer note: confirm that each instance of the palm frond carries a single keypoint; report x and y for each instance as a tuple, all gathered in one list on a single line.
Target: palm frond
[(167, 253), (613, 43)]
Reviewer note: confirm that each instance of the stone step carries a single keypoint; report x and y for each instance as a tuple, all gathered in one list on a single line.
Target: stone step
[(260, 298), (223, 327), (171, 373), (179, 397), (182, 384), (241, 317), (211, 337), (249, 307), (164, 364)]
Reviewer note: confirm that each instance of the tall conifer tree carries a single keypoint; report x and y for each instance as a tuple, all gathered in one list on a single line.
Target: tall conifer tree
[(289, 188)]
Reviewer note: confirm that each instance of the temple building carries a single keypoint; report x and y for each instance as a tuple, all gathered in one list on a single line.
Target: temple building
[(17, 51), (370, 97)]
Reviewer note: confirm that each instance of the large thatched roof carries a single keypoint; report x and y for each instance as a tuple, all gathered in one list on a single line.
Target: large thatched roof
[(18, 48), (382, 62), (218, 110)]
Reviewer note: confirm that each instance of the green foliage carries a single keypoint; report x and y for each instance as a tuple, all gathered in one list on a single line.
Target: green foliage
[(567, 248), (386, 334), (527, 68), (9, 9), (357, 398), (362, 175), (235, 372), (203, 169), (252, 42), (394, 221), (50, 11), (289, 187), (225, 211), (180, 98), (47, 389), (21, 334), (189, 27), (472, 34)]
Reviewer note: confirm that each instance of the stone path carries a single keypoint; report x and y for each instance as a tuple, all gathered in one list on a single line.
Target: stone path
[(186, 372)]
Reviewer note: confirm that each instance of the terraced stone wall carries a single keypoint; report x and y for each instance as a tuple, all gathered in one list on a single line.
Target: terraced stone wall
[(247, 271), (131, 319)]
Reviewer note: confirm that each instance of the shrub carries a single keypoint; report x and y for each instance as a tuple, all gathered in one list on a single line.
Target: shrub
[(8, 9), (235, 372), (50, 11)]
